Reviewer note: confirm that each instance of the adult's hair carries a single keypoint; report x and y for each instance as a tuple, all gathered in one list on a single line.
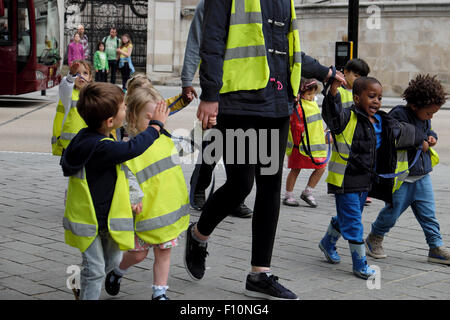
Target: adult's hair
[(358, 66), (361, 84), (99, 101), (423, 91), (136, 102)]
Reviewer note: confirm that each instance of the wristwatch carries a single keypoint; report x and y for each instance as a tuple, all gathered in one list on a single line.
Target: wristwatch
[(158, 123)]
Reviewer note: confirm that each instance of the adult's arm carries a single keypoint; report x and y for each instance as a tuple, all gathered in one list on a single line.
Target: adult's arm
[(216, 20), (311, 68), (192, 51)]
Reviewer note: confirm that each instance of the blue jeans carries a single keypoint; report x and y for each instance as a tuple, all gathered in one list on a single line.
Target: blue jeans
[(419, 195), (349, 207), (101, 257)]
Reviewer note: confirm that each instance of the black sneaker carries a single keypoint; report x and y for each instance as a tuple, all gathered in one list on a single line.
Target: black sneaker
[(267, 287), (194, 256), (112, 283), (199, 200), (242, 211)]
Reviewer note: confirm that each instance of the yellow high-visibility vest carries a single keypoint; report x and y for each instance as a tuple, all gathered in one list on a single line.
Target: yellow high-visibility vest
[(165, 206), (73, 124), (80, 221), (313, 120), (343, 141), (245, 64), (346, 97), (58, 123)]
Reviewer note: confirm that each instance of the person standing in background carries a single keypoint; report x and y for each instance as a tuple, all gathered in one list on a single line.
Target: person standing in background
[(112, 43)]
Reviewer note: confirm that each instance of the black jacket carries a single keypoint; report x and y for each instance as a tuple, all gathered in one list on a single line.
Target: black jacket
[(423, 164), (100, 159), (266, 102), (364, 158)]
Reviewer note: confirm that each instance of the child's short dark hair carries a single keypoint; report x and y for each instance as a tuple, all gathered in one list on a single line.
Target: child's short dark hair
[(99, 101), (424, 90), (358, 66), (99, 43), (361, 84)]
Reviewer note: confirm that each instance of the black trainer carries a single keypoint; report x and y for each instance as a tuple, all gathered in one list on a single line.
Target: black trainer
[(199, 200), (267, 287), (194, 256), (242, 211), (112, 283)]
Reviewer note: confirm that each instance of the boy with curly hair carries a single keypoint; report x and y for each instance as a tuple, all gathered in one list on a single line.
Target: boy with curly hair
[(424, 96)]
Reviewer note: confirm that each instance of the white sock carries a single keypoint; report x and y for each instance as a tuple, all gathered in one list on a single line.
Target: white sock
[(309, 190), (289, 194)]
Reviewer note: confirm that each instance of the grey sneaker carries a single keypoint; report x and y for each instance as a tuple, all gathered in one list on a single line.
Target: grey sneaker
[(439, 255), (373, 246)]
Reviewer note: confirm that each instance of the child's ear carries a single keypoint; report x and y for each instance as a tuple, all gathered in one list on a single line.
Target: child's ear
[(356, 99), (110, 122)]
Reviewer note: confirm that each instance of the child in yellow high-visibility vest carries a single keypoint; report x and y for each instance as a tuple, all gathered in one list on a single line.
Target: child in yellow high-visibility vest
[(298, 161)]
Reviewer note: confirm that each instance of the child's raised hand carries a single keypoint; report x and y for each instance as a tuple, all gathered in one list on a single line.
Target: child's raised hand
[(161, 112), (74, 68), (431, 141)]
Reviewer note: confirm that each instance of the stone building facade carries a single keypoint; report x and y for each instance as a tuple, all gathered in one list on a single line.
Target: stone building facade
[(398, 39)]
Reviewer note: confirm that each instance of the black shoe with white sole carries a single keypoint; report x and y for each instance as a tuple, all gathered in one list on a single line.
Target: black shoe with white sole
[(267, 286)]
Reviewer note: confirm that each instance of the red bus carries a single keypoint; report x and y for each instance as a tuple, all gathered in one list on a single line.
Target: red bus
[(29, 46)]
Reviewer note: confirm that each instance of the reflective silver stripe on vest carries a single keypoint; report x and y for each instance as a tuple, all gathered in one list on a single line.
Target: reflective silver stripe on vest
[(403, 176), (80, 229), (315, 147), (242, 17), (54, 139), (80, 174), (347, 104), (67, 135), (289, 145), (154, 169), (162, 221), (245, 52), (336, 167), (121, 224), (344, 148), (402, 156), (314, 118), (73, 104), (294, 24)]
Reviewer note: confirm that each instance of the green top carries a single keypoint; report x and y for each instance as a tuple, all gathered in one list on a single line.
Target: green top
[(111, 44), (100, 61)]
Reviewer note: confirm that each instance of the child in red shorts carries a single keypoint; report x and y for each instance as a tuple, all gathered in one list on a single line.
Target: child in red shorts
[(298, 157)]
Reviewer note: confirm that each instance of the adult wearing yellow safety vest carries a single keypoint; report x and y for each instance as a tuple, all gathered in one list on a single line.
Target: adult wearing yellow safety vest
[(249, 75)]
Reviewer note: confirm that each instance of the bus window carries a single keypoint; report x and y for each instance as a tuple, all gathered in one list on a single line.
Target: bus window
[(47, 31), (5, 22), (23, 35)]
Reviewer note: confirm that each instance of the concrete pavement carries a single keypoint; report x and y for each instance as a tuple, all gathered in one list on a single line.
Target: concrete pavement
[(34, 257)]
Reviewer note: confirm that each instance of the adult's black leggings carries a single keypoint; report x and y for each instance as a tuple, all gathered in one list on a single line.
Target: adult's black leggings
[(240, 179)]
